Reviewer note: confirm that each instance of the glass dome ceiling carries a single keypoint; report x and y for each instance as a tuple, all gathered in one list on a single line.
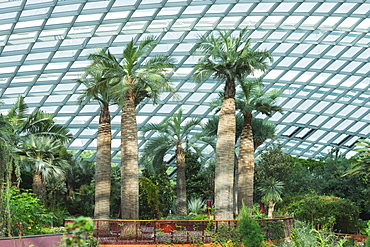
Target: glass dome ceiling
[(321, 61)]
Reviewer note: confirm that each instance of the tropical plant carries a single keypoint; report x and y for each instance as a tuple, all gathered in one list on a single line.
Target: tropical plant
[(199, 176), (80, 187), (81, 231), (132, 81), (196, 205), (161, 182), (28, 131), (229, 59), (43, 154), (271, 190), (172, 133), (363, 158), (326, 212), (251, 99), (26, 212), (98, 88)]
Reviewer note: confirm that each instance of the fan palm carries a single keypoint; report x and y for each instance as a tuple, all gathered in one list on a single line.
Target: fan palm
[(98, 88), (133, 80), (230, 60), (43, 154), (24, 129), (172, 134), (251, 99)]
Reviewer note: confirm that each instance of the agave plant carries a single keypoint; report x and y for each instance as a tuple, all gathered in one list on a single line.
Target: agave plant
[(196, 205)]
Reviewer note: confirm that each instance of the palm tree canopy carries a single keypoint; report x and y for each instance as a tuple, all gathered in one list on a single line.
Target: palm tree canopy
[(44, 155), (363, 159), (97, 85), (171, 131), (253, 97), (38, 123), (229, 58), (133, 78)]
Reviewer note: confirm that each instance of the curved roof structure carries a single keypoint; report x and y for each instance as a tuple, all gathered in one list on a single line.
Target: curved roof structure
[(320, 48)]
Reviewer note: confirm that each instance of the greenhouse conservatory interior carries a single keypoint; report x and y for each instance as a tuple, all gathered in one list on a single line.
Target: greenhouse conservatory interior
[(179, 63)]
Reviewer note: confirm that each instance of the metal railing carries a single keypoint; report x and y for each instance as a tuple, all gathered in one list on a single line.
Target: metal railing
[(141, 232)]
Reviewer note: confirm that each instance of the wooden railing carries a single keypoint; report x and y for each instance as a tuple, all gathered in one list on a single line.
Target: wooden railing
[(153, 232)]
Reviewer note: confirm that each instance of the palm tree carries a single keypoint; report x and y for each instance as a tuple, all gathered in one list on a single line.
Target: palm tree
[(271, 190), (262, 130), (44, 155), (98, 88), (362, 166), (251, 99), (39, 123), (230, 60), (172, 134), (133, 80)]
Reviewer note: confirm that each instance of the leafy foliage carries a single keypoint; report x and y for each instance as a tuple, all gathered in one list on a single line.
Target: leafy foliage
[(82, 233), (27, 214), (165, 187), (326, 212), (249, 229), (199, 179)]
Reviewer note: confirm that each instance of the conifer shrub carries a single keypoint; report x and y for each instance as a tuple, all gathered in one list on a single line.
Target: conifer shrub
[(249, 229)]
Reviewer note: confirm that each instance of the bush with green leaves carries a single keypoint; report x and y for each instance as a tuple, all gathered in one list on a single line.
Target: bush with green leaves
[(27, 215), (302, 235), (249, 229), (81, 230), (273, 229), (326, 212)]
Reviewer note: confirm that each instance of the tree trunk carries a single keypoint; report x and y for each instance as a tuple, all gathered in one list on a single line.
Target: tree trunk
[(129, 162), (224, 171), (246, 165), (271, 209), (181, 206), (38, 187), (103, 166)]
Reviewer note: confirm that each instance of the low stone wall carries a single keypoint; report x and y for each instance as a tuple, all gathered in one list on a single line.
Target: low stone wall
[(48, 240)]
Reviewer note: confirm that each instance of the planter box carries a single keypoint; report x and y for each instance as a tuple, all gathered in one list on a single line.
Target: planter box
[(47, 240)]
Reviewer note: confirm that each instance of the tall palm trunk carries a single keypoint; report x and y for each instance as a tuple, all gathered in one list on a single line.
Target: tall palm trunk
[(181, 181), (246, 165), (224, 171), (103, 166), (129, 162), (38, 187)]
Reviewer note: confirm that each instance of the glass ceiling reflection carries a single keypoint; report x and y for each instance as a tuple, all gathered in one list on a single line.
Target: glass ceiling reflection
[(321, 56)]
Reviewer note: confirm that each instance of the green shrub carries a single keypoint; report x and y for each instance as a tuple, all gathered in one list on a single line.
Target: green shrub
[(27, 215), (273, 230), (327, 212), (249, 229), (82, 230), (302, 235)]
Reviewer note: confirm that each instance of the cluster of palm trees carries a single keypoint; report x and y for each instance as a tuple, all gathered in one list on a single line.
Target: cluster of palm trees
[(39, 141), (35, 143), (126, 83)]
